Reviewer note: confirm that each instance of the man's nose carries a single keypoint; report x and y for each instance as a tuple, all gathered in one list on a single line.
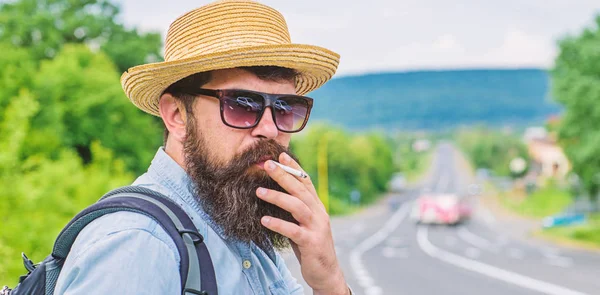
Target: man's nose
[(266, 126)]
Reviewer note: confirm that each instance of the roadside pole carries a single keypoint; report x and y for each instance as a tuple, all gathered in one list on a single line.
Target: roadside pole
[(322, 172)]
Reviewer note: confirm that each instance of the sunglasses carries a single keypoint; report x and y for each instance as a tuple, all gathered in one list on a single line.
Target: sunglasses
[(243, 109)]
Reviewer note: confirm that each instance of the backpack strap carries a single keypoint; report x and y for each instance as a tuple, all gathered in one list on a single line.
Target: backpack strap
[(196, 268)]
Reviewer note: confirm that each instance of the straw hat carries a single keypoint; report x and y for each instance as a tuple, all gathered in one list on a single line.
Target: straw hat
[(227, 34)]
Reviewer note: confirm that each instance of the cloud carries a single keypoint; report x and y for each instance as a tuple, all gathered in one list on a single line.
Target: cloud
[(394, 35), (519, 48), (514, 48), (447, 43)]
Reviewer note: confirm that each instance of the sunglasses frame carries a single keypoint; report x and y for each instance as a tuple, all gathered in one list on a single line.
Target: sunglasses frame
[(269, 99)]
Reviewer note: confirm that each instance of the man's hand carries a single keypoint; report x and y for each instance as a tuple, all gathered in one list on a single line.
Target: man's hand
[(311, 239)]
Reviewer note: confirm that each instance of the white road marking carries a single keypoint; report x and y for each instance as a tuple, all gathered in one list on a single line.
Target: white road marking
[(476, 240), (395, 241), (360, 272), (565, 262), (472, 252), (488, 270), (516, 253), (552, 256), (550, 252), (390, 252)]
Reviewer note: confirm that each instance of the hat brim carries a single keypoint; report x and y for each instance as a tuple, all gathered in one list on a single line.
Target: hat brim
[(144, 84)]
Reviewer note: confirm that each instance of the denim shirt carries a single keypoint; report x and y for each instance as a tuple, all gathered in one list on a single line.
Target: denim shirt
[(129, 253)]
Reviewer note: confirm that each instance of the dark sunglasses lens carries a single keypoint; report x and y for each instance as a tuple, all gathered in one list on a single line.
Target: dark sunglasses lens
[(290, 113), (242, 109)]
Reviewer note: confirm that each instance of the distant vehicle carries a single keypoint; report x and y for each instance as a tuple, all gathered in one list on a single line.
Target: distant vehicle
[(448, 209), (398, 182), (281, 105), (249, 103)]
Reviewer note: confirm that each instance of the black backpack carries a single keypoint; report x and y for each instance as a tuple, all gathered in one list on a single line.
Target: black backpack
[(196, 268)]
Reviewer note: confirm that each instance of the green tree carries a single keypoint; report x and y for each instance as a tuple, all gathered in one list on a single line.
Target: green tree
[(491, 149), (68, 134), (85, 102), (40, 195), (576, 85), (45, 26), (77, 85), (17, 69)]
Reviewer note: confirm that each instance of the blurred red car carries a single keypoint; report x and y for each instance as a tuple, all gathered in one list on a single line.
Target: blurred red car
[(447, 209)]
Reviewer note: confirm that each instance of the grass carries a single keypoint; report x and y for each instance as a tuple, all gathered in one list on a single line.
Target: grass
[(587, 235), (541, 203), (549, 201)]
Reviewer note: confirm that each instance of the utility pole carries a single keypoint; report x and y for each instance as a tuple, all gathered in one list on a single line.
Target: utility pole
[(322, 171)]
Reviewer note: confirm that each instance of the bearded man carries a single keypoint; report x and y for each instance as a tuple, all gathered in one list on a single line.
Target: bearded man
[(230, 93)]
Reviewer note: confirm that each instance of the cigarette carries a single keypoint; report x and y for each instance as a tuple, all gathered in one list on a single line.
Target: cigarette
[(291, 170)]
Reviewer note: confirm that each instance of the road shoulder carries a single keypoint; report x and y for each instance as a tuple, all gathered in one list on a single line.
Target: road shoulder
[(527, 228)]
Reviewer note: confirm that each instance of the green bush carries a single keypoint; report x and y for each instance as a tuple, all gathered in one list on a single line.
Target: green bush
[(66, 127), (43, 195)]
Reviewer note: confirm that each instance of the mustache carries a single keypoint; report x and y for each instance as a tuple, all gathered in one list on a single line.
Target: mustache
[(260, 151)]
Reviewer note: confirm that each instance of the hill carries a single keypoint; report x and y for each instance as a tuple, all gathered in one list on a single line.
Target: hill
[(436, 99)]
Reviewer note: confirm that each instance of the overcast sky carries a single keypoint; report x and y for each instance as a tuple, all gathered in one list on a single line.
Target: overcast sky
[(389, 35)]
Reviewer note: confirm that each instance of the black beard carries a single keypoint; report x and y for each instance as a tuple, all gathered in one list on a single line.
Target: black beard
[(227, 192)]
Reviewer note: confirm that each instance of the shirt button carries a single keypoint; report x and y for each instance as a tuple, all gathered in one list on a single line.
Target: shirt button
[(247, 264)]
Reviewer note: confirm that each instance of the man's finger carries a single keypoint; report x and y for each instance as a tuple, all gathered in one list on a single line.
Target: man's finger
[(293, 231), (291, 184), (285, 159), (295, 206)]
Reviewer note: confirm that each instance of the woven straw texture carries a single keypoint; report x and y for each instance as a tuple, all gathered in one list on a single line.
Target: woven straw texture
[(222, 35)]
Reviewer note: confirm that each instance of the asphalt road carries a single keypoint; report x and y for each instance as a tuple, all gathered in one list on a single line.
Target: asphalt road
[(382, 251)]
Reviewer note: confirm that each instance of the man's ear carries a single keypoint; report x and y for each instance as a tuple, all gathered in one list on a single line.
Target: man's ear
[(173, 115)]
